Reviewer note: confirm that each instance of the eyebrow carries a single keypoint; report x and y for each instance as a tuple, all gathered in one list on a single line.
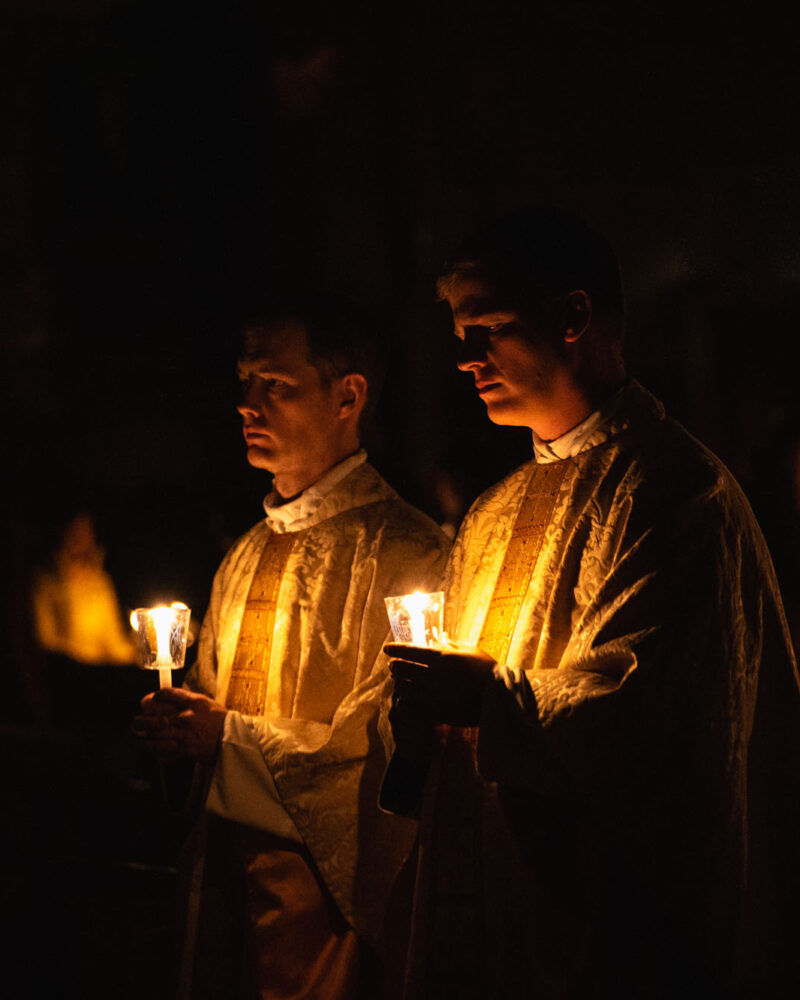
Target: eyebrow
[(260, 366), (474, 305), (478, 308)]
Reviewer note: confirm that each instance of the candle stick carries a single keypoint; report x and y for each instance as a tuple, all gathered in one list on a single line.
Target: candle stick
[(162, 619)]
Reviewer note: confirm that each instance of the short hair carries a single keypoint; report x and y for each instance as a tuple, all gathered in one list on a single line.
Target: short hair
[(537, 254), (342, 339)]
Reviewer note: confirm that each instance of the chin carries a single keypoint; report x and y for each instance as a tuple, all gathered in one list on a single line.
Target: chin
[(505, 416), (260, 458)]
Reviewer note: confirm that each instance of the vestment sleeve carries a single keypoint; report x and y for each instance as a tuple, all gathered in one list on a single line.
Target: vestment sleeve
[(202, 675), (661, 660)]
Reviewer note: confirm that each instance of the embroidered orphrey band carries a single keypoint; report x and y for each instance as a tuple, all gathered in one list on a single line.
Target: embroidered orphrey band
[(520, 559), (456, 881), (247, 690)]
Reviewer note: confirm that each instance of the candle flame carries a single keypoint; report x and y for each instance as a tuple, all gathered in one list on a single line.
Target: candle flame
[(162, 619), (416, 604), (161, 635)]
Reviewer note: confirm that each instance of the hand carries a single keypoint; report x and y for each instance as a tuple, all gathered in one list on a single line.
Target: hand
[(415, 733), (444, 685), (175, 723)]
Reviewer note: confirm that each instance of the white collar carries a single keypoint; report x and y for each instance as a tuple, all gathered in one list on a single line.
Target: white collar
[(282, 517)]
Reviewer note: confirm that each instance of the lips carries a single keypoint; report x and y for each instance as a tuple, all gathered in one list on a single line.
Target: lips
[(484, 387), (253, 435)]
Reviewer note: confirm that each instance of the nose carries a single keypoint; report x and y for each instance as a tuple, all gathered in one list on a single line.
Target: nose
[(247, 405), (472, 350), (245, 410)]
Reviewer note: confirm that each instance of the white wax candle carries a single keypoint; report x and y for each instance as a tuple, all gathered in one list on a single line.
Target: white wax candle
[(162, 619), (416, 605)]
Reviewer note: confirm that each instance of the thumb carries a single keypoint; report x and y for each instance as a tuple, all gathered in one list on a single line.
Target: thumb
[(172, 696)]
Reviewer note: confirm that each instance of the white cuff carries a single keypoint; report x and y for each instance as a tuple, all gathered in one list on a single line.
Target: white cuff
[(517, 683), (242, 788)]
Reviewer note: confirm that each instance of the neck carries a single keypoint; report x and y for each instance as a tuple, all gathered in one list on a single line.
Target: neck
[(570, 405), (290, 483)]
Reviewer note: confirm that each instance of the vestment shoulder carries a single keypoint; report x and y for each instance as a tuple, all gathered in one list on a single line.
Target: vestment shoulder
[(668, 462), (501, 494), (387, 514), (241, 548)]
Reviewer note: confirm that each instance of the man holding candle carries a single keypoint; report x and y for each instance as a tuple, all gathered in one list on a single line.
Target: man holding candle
[(615, 809), (283, 703)]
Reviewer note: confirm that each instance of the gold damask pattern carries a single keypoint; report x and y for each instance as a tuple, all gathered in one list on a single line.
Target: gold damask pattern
[(247, 691), (520, 559)]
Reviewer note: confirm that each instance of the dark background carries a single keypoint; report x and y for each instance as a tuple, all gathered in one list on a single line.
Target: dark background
[(163, 161)]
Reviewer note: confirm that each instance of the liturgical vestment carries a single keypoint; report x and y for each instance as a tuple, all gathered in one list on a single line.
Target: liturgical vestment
[(300, 757), (624, 821)]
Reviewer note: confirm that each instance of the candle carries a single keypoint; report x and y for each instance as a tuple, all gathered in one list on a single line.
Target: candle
[(415, 605), (162, 619), (416, 618), (161, 636)]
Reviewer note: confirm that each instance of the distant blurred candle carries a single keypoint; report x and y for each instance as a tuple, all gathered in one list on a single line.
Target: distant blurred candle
[(161, 635), (416, 618)]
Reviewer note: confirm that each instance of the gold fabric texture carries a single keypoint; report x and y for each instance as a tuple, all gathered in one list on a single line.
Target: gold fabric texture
[(519, 560), (247, 690)]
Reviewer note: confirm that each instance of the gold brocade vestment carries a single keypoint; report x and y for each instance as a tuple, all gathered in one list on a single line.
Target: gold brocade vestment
[(632, 821), (291, 643)]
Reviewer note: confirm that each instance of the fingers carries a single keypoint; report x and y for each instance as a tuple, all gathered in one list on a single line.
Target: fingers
[(400, 688), (405, 672), (158, 710), (424, 655), (150, 706), (173, 696), (150, 726), (414, 732), (158, 734), (406, 700)]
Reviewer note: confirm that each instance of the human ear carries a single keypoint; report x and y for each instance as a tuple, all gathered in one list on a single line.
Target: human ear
[(352, 395), (578, 315)]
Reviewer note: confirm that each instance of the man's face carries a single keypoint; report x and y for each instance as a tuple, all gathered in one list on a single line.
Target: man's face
[(290, 417), (516, 367)]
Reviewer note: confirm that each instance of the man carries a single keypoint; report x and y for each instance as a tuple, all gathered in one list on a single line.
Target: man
[(283, 702), (615, 810)]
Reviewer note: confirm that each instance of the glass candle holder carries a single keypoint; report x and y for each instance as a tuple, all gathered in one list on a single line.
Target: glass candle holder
[(161, 637), (417, 618)]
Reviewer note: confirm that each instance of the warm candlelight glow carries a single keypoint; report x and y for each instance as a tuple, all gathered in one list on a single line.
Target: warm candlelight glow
[(416, 604), (162, 618), (416, 618), (162, 634)]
